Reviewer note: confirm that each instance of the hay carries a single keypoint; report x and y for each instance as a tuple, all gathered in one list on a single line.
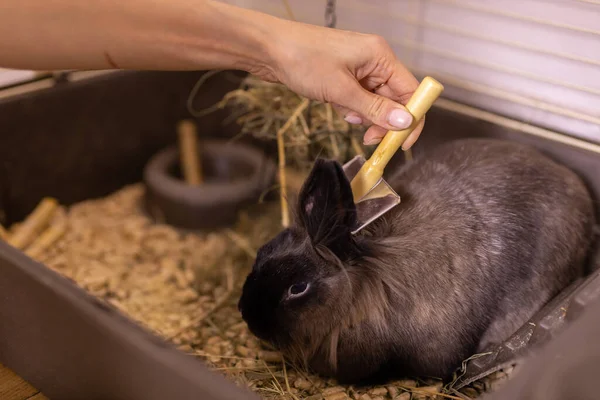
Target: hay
[(303, 129), (262, 109), (185, 286)]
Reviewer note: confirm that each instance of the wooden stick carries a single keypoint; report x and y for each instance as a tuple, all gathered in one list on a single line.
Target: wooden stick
[(34, 223), (372, 170), (329, 113), (188, 150), (47, 238), (285, 215)]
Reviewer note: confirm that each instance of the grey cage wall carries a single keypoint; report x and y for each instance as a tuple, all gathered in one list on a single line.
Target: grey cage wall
[(535, 61)]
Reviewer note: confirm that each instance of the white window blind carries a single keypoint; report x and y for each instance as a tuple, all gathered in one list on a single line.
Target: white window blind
[(536, 61)]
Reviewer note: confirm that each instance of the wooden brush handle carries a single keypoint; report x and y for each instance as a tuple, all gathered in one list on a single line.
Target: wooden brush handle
[(372, 170)]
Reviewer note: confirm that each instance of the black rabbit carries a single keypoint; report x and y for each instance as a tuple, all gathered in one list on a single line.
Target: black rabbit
[(487, 232)]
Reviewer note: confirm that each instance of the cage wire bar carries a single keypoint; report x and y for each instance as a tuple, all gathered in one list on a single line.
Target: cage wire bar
[(537, 61)]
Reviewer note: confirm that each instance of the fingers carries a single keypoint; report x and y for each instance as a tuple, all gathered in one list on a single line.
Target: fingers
[(375, 134), (354, 118), (350, 116), (387, 91), (414, 135), (401, 85), (379, 109), (383, 110)]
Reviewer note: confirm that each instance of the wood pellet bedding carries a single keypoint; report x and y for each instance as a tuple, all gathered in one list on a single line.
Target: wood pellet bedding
[(184, 287)]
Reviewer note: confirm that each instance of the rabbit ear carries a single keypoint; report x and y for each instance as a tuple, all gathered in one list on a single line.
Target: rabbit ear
[(326, 207)]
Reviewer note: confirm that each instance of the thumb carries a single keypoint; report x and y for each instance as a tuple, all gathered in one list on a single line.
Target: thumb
[(378, 109)]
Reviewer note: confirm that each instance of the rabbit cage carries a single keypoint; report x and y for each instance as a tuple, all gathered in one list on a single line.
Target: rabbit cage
[(110, 303)]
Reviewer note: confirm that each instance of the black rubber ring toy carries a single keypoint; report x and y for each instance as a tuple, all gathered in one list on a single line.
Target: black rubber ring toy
[(235, 175)]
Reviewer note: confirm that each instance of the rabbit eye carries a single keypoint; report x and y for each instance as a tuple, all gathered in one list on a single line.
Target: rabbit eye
[(298, 289)]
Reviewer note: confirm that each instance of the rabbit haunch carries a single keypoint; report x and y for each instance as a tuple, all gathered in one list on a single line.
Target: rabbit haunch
[(487, 232)]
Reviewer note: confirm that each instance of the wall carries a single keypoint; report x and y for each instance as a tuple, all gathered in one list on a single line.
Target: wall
[(537, 61)]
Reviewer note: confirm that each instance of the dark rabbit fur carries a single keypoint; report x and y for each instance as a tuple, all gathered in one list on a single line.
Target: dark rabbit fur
[(487, 232)]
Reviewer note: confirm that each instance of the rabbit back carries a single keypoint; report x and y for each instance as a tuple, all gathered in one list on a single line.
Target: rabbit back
[(487, 232)]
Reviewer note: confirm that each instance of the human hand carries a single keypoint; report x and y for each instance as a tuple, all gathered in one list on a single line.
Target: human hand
[(358, 73)]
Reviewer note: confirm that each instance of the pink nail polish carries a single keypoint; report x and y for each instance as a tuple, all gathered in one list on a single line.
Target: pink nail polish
[(400, 119), (353, 119)]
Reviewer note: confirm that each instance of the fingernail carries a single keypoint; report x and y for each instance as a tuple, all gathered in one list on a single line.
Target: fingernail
[(400, 118), (372, 141), (353, 119)]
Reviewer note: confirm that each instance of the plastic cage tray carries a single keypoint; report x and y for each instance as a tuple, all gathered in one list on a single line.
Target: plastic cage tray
[(88, 138)]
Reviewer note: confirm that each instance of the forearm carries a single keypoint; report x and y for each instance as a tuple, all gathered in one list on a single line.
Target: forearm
[(356, 72), (133, 34)]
